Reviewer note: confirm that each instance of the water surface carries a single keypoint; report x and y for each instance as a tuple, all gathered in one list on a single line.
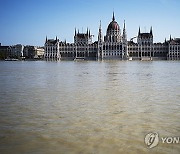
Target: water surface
[(88, 107)]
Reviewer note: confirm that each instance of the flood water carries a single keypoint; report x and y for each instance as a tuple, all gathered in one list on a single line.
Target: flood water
[(88, 107)]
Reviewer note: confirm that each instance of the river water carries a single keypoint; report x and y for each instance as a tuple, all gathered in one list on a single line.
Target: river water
[(88, 107)]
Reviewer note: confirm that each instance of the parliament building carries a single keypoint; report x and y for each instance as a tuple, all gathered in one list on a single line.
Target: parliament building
[(114, 45)]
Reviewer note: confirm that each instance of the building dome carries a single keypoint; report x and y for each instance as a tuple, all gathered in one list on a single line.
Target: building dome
[(113, 26), (113, 33)]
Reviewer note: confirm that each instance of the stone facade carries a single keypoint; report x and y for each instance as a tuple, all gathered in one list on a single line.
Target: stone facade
[(113, 45), (174, 49), (16, 51)]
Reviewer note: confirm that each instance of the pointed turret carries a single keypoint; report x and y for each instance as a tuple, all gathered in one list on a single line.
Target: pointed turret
[(124, 40), (75, 35), (139, 31), (100, 25), (151, 31), (75, 32), (100, 37), (89, 33), (124, 24), (46, 39), (124, 32), (56, 38), (113, 18), (100, 43), (170, 38)]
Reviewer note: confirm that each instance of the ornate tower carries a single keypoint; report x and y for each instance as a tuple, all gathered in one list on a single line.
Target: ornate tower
[(100, 43), (83, 38), (100, 37), (124, 33), (145, 38), (124, 40), (145, 44), (151, 36)]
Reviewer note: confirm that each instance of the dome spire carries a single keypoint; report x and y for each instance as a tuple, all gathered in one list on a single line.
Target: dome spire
[(46, 38), (113, 18), (139, 31)]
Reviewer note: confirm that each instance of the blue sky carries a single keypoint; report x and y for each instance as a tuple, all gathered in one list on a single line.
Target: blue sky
[(29, 21)]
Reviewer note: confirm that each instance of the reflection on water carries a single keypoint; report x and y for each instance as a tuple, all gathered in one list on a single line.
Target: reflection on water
[(88, 107)]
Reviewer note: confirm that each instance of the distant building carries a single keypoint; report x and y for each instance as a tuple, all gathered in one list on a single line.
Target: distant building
[(113, 45), (39, 53), (16, 51), (3, 52), (25, 52), (29, 52)]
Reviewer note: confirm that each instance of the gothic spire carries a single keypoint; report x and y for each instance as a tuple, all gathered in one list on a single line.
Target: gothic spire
[(124, 31), (46, 38), (151, 31), (113, 18), (100, 25), (75, 31), (139, 31), (124, 25), (87, 31), (100, 37)]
